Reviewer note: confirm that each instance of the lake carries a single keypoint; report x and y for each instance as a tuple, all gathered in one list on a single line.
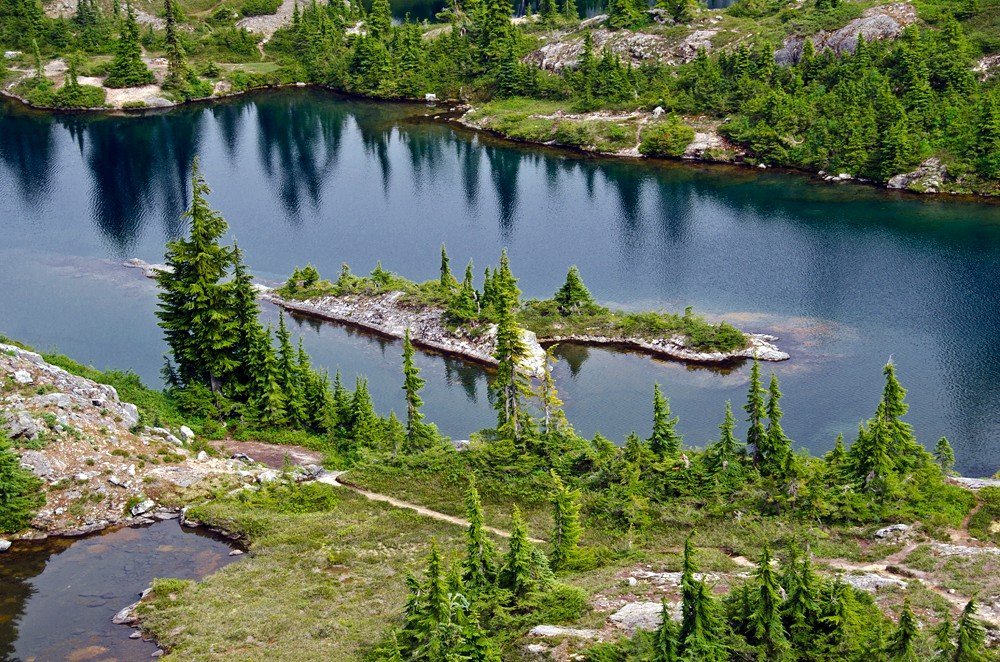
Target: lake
[(847, 276)]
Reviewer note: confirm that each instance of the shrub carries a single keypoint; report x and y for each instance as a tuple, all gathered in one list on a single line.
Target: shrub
[(669, 138), (260, 7), (20, 490), (78, 96)]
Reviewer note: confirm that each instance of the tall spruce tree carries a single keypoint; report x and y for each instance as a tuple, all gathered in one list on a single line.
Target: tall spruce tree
[(518, 572), (723, 455), (127, 68), (902, 643), (665, 636), (365, 425), (464, 306), (177, 71), (245, 317), (970, 639), (665, 441), (264, 395), (553, 416), (756, 412), (765, 619), (412, 383), (447, 281), (509, 384), (777, 446), (700, 632), (944, 455), (479, 570), (379, 21), (566, 529), (289, 377), (196, 308)]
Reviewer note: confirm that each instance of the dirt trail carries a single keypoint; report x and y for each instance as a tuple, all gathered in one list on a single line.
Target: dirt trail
[(332, 478)]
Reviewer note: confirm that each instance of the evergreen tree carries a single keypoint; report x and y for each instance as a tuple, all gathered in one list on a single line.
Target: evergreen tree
[(365, 427), (464, 307), (288, 374), (944, 641), (195, 309), (553, 417), (21, 492), (626, 13), (566, 529), (665, 637), (479, 568), (765, 620), (518, 572), (665, 442), (987, 143), (509, 385), (800, 611), (245, 317), (726, 452), (573, 295), (944, 455), (127, 69), (448, 281), (777, 447), (837, 456), (548, 11), (903, 641), (569, 10), (508, 296), (412, 383), (379, 21), (756, 412), (264, 394), (970, 640), (177, 72), (699, 636)]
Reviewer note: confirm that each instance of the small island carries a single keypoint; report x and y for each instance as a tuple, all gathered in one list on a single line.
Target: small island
[(456, 318)]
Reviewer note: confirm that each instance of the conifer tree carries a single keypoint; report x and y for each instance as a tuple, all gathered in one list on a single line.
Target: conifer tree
[(508, 296), (944, 641), (970, 640), (509, 385), (573, 295), (566, 529), (699, 636), (837, 456), (548, 11), (944, 455), (987, 144), (724, 454), (569, 10), (365, 426), (665, 442), (288, 373), (800, 611), (245, 317), (665, 637), (479, 568), (195, 308), (902, 642), (756, 412), (777, 447), (412, 383), (464, 307), (20, 491), (127, 69), (518, 572), (379, 21), (448, 281), (553, 417), (177, 71), (264, 394), (765, 620)]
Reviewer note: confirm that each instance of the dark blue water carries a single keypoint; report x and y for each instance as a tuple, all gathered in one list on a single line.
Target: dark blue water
[(847, 276)]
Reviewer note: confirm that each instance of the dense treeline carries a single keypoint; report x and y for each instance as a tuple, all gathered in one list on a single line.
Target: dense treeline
[(874, 113)]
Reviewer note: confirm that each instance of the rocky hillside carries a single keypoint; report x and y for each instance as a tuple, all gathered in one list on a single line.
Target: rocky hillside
[(100, 466)]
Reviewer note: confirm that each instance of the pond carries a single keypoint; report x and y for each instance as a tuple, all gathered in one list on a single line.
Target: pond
[(58, 596)]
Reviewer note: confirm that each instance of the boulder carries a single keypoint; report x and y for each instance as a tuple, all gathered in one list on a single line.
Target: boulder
[(876, 23), (892, 531), (559, 631), (187, 433), (927, 178), (38, 463), (4, 545), (20, 425), (23, 377), (872, 582), (142, 507), (639, 616)]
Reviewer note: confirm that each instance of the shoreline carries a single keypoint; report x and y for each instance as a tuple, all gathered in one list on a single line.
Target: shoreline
[(379, 314), (454, 116)]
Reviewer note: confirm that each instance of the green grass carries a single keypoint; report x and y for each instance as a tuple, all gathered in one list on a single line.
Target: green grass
[(325, 581), (985, 524)]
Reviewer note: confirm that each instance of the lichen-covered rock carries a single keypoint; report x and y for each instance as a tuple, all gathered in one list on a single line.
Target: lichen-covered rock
[(634, 47), (643, 615), (875, 24), (928, 178)]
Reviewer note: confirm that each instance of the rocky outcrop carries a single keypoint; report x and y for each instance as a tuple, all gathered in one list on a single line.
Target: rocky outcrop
[(634, 47), (98, 464), (987, 67), (875, 24), (388, 315), (761, 346), (928, 178)]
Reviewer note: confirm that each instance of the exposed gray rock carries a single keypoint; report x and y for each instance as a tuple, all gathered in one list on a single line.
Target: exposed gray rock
[(634, 47), (4, 545), (142, 508), (876, 23), (928, 178), (20, 425), (892, 531), (703, 143), (642, 615), (559, 631), (187, 433), (872, 582), (976, 483), (945, 549), (23, 377), (38, 463), (202, 456), (988, 66)]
